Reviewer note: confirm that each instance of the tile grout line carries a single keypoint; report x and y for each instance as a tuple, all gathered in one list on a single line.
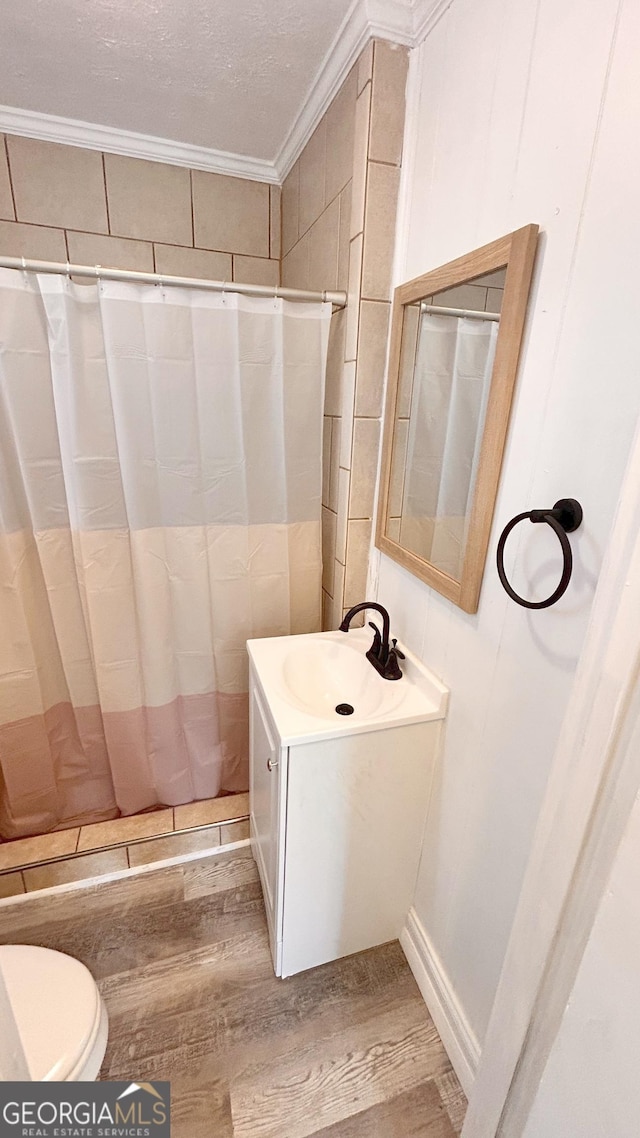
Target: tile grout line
[(307, 231), (193, 215), (72, 855), (10, 176), (352, 238), (341, 599), (369, 162), (106, 194), (147, 241), (371, 96)]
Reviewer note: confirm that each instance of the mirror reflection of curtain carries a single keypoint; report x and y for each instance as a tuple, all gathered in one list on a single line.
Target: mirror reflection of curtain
[(160, 483), (454, 362)]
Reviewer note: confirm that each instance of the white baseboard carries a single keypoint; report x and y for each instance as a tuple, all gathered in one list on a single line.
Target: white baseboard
[(459, 1041)]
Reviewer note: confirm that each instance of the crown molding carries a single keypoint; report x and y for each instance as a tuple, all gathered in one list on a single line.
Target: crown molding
[(365, 20), (352, 36), (405, 22), (390, 20), (73, 132), (426, 14)]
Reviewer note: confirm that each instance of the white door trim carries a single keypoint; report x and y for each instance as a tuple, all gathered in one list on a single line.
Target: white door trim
[(593, 783)]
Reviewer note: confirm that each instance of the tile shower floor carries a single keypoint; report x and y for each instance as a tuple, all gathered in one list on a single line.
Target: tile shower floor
[(182, 960), (84, 852)]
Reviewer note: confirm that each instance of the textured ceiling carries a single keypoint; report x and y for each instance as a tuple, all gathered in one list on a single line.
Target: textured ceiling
[(229, 75)]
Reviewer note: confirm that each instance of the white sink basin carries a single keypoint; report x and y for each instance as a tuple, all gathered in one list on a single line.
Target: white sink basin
[(321, 674), (306, 678)]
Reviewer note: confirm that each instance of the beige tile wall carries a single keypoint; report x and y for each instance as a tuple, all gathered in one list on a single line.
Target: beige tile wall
[(331, 227), (60, 203), (140, 839), (338, 228)]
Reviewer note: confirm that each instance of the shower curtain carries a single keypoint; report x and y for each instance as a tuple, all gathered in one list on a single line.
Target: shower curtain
[(160, 466), (454, 362)]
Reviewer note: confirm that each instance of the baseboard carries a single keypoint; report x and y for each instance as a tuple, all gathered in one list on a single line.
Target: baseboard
[(459, 1041)]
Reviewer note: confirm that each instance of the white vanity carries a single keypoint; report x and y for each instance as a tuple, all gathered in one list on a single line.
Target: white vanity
[(338, 801)]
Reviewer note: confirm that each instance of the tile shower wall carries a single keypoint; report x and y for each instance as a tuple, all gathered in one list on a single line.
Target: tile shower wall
[(60, 203), (338, 209), (103, 847), (338, 225)]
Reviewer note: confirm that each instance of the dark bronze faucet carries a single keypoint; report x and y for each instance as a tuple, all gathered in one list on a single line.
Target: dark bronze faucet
[(382, 655)]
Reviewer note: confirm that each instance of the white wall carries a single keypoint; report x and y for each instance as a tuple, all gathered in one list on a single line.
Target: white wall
[(523, 111), (590, 1085)]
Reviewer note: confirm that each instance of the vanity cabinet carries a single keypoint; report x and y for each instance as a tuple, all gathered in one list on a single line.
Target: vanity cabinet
[(336, 831), (267, 781)]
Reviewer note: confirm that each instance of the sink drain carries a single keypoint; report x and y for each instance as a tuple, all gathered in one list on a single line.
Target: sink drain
[(344, 709)]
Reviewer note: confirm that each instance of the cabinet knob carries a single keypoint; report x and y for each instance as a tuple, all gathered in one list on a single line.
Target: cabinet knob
[(271, 764)]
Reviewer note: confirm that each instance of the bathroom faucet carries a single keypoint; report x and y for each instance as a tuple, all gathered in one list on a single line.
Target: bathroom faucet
[(383, 656)]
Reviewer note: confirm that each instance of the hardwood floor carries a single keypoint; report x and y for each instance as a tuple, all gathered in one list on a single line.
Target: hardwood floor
[(182, 959)]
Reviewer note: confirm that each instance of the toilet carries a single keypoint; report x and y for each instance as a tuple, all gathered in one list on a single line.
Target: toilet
[(58, 1015)]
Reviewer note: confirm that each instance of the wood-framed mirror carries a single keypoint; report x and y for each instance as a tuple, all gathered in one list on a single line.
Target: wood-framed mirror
[(455, 341)]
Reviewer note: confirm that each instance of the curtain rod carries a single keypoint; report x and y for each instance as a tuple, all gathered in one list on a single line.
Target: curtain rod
[(438, 311), (97, 272)]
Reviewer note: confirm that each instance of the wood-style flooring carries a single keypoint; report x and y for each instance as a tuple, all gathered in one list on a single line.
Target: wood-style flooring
[(182, 959)]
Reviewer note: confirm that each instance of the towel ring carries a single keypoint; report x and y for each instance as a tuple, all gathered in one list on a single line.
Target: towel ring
[(564, 518)]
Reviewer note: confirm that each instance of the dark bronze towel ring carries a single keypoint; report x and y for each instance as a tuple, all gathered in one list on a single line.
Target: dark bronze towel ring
[(565, 516)]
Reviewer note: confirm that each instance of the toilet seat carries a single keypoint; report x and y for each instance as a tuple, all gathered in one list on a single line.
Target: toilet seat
[(58, 1010)]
